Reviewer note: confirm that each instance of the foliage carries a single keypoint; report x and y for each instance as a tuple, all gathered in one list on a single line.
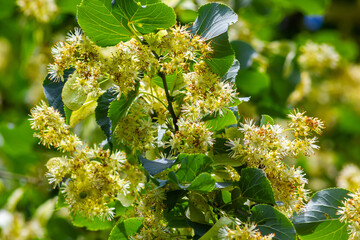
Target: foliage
[(176, 157)]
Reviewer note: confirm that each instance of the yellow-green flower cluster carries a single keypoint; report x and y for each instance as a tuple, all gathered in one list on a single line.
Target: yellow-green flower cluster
[(136, 130), (350, 214), (177, 48), (265, 147), (304, 128), (124, 66), (318, 58), (90, 177), (349, 177), (151, 207), (41, 10), (192, 137), (51, 129), (205, 93), (242, 231), (94, 178), (80, 53)]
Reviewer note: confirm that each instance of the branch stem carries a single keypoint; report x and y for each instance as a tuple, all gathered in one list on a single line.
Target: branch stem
[(169, 99)]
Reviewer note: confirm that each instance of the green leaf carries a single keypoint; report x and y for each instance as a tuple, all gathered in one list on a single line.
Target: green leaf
[(216, 122), (202, 183), (60, 203), (176, 217), (321, 208), (108, 24), (156, 166), (329, 230), (53, 91), (252, 82), (266, 119), (255, 186), (73, 97), (169, 80), (225, 159), (223, 56), (214, 230), (232, 72), (120, 108), (226, 196), (126, 228), (87, 109), (213, 23), (199, 228), (68, 113), (101, 112), (269, 220), (172, 197), (147, 16), (214, 19), (244, 53), (92, 225), (191, 166), (101, 23), (238, 101)]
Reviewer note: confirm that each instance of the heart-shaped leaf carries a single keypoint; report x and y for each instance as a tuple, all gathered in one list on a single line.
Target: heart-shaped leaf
[(320, 212)]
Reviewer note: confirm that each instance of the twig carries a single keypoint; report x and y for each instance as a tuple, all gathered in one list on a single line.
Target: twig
[(168, 97)]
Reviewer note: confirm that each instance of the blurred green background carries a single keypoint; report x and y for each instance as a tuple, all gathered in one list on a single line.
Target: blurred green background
[(269, 41)]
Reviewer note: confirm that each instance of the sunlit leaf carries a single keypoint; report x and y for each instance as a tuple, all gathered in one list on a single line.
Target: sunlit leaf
[(269, 220), (321, 208), (124, 229)]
